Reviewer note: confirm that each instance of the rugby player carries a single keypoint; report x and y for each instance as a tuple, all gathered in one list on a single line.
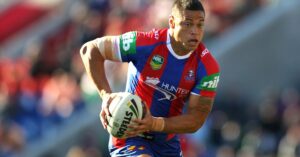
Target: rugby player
[(169, 68)]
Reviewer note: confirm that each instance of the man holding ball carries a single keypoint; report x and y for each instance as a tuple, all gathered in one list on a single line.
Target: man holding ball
[(168, 69)]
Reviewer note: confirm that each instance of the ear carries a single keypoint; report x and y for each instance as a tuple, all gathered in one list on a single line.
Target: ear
[(171, 22)]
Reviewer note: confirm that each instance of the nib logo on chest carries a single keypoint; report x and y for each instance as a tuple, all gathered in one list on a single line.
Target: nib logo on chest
[(156, 62)]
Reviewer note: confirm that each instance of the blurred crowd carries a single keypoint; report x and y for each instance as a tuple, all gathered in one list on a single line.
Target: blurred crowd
[(238, 128), (44, 87)]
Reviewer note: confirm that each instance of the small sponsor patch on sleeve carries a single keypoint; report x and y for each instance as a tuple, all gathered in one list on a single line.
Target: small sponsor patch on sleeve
[(204, 52), (128, 43), (209, 83)]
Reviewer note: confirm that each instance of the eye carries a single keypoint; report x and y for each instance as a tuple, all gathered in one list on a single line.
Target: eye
[(201, 25), (186, 24)]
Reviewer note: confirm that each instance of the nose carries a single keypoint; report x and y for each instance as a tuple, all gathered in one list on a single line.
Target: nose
[(195, 30)]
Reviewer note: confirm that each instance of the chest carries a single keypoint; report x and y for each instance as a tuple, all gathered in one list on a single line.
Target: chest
[(168, 74)]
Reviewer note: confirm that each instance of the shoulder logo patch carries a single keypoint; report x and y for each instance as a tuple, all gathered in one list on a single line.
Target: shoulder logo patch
[(209, 83), (128, 43)]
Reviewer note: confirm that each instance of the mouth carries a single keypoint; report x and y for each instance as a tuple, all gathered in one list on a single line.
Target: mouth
[(193, 41)]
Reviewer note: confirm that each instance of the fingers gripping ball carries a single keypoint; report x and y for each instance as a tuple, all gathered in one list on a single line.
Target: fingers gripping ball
[(124, 108)]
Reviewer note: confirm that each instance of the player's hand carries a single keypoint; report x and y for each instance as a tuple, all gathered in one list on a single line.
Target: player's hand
[(107, 98), (140, 125)]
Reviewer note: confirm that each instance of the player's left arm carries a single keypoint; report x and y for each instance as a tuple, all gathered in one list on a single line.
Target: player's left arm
[(198, 110)]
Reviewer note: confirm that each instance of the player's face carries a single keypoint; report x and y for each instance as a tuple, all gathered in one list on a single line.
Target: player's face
[(187, 29)]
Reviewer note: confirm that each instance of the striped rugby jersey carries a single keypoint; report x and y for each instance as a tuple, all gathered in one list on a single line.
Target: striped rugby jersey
[(163, 79)]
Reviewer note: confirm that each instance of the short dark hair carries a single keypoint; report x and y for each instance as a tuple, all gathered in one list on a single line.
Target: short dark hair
[(194, 5)]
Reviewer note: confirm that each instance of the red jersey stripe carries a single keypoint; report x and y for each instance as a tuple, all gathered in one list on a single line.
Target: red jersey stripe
[(210, 64), (118, 143), (142, 90)]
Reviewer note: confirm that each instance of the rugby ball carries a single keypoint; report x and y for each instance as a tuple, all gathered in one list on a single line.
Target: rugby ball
[(124, 108)]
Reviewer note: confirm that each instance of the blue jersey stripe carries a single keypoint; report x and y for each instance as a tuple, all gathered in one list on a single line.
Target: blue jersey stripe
[(169, 82), (135, 67)]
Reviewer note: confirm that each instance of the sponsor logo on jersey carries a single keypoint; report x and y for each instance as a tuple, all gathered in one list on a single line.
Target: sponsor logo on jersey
[(131, 148), (209, 82), (204, 52), (141, 148), (166, 89), (156, 35), (156, 62), (128, 43)]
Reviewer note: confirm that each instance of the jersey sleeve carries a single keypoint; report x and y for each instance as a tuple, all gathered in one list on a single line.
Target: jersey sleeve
[(208, 74), (130, 45), (127, 46)]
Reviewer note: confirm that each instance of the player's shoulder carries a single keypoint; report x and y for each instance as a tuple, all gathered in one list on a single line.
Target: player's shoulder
[(206, 57), (151, 37)]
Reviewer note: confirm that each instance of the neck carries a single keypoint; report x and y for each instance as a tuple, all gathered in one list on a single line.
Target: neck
[(178, 47)]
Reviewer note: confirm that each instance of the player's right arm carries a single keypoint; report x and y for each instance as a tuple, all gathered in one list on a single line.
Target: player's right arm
[(93, 55)]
